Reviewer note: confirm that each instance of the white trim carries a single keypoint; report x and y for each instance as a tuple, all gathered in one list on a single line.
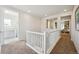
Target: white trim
[(44, 42), (76, 46), (53, 45), (10, 40), (33, 48), (35, 32)]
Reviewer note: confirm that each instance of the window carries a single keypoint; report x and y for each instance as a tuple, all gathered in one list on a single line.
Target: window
[(51, 23), (7, 22)]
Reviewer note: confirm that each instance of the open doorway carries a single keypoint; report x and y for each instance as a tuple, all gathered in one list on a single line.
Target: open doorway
[(65, 24)]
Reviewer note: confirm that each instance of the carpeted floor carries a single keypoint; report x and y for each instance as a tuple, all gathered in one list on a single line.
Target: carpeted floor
[(18, 47), (64, 45)]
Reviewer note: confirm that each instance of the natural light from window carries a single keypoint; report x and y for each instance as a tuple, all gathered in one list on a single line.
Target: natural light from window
[(7, 22)]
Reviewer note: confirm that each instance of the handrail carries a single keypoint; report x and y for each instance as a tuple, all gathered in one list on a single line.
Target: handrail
[(39, 40), (52, 31), (36, 32)]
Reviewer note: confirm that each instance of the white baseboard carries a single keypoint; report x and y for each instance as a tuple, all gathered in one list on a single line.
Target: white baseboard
[(10, 40), (53, 45), (76, 46), (33, 48)]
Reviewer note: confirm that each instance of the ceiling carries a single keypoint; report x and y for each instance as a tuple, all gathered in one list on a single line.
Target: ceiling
[(43, 10)]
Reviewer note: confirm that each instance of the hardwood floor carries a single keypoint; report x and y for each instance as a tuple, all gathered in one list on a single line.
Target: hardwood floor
[(64, 45)]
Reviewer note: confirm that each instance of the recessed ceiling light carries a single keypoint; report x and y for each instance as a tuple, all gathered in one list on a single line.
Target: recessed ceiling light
[(28, 11), (10, 12), (6, 11), (65, 10)]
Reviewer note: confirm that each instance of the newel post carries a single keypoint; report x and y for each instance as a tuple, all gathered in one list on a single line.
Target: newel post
[(44, 42)]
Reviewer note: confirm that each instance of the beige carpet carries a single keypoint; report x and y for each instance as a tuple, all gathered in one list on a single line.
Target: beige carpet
[(64, 45), (18, 47)]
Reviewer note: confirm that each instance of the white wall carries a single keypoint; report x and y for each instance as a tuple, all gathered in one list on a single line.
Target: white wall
[(25, 22), (74, 33), (1, 25), (43, 21), (54, 33), (9, 31), (28, 22)]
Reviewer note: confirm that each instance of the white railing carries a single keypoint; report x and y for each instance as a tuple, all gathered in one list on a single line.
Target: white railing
[(52, 39), (42, 42), (37, 41)]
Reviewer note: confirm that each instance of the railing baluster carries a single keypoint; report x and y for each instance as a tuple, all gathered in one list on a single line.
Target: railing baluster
[(36, 40)]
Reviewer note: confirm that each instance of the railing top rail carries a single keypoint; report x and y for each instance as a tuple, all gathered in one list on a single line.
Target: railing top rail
[(40, 33), (51, 31)]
